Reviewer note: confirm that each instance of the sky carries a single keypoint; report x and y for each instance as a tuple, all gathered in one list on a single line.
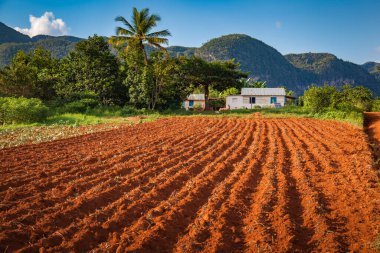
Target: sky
[(349, 29)]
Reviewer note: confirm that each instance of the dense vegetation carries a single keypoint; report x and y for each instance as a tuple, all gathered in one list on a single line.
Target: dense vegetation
[(59, 47), (139, 75), (21, 110), (348, 98), (91, 75)]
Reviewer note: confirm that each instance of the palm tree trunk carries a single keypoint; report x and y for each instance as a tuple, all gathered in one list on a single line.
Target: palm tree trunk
[(145, 56)]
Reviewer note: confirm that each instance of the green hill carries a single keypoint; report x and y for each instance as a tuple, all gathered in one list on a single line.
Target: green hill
[(12, 41), (260, 60), (59, 47), (176, 51), (8, 34), (373, 68), (329, 69)]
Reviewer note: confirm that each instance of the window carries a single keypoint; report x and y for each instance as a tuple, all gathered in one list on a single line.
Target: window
[(252, 100), (273, 100), (191, 102), (234, 100)]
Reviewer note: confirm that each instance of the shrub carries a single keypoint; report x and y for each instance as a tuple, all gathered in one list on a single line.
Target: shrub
[(318, 98), (198, 107), (349, 98), (22, 110)]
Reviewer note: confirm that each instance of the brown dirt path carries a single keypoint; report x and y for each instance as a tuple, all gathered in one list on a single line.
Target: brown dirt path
[(194, 184)]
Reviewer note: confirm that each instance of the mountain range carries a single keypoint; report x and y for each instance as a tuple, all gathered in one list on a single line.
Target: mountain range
[(294, 71)]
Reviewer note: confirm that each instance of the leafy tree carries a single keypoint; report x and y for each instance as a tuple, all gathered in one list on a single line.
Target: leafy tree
[(230, 91), (90, 68), (139, 31), (318, 98), (349, 98), (218, 75), (30, 75), (165, 76), (138, 79), (358, 97)]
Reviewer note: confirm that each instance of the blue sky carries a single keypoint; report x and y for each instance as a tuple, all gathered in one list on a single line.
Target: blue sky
[(347, 28)]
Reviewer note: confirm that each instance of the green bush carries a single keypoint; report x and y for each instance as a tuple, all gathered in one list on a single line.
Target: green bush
[(349, 98), (318, 98), (22, 110)]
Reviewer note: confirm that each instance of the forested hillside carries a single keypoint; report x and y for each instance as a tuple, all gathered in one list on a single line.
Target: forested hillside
[(8, 34), (12, 41), (260, 60), (373, 68), (329, 69)]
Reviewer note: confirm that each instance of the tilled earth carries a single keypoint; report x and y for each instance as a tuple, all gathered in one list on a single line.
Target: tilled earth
[(194, 184)]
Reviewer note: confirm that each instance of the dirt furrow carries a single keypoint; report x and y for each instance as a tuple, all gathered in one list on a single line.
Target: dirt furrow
[(242, 178), (15, 157), (225, 229), (317, 205), (192, 184), (173, 216), (82, 182), (66, 165), (95, 201), (259, 235), (286, 211), (342, 174), (136, 191)]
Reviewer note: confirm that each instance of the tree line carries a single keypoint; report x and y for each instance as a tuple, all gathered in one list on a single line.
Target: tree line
[(118, 70)]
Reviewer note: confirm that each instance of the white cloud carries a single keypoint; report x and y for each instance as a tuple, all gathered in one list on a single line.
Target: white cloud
[(47, 24), (278, 24)]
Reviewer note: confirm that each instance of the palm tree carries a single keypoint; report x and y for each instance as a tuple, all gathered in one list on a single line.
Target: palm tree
[(139, 30)]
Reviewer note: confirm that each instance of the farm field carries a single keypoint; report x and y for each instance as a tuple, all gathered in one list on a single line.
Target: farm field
[(194, 184)]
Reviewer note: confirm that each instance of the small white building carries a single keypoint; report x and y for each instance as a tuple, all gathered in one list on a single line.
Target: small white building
[(195, 101), (257, 97)]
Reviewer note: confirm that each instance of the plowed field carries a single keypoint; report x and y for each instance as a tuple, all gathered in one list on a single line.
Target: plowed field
[(194, 184)]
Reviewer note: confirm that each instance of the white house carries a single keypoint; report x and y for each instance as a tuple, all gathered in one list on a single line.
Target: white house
[(254, 97), (195, 101)]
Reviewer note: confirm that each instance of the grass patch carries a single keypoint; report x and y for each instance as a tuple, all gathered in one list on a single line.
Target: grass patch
[(102, 115), (352, 117)]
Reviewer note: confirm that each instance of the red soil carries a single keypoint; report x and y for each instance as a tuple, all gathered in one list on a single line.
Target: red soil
[(194, 184)]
